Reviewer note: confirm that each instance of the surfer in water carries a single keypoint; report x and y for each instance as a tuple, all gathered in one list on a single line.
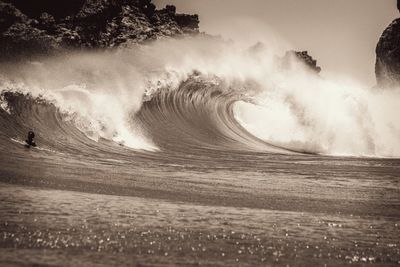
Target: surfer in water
[(30, 141)]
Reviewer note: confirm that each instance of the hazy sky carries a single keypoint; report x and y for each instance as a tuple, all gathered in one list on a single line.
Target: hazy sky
[(340, 34)]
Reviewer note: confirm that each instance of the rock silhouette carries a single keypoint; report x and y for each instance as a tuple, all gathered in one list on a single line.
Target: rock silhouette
[(49, 26), (387, 67), (302, 57)]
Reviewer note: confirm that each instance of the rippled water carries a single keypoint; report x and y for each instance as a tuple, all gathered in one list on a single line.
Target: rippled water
[(204, 191), (144, 209)]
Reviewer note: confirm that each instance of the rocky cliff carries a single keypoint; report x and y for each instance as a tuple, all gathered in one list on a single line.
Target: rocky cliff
[(49, 25), (290, 59), (387, 67)]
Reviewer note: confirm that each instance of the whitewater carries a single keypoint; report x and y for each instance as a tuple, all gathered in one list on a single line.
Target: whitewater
[(196, 151)]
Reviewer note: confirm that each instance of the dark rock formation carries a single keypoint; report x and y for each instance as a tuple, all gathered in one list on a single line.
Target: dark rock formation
[(303, 57), (47, 26), (19, 33), (289, 60), (10, 15), (170, 9), (57, 8), (387, 67), (187, 22)]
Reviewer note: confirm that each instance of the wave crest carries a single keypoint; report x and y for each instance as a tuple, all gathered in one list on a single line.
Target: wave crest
[(202, 94)]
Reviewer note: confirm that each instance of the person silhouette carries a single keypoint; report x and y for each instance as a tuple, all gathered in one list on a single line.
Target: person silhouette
[(30, 140)]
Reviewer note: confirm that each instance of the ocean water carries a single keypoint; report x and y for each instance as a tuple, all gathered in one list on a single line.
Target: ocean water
[(215, 159)]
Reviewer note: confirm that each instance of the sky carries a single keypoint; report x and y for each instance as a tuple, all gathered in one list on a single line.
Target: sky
[(341, 34)]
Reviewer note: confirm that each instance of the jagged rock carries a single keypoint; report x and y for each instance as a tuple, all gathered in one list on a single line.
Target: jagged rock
[(86, 24), (23, 39), (170, 9), (143, 3), (289, 61), (68, 38), (149, 9), (387, 66), (46, 22), (188, 22), (99, 10), (299, 56), (10, 15), (57, 8)]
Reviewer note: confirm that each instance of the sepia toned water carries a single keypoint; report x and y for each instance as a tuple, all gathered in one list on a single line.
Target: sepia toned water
[(73, 201), (200, 174)]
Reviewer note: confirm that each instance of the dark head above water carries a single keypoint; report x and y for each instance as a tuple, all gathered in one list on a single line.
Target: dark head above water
[(31, 136)]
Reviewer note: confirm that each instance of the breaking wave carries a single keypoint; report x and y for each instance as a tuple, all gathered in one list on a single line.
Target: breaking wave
[(193, 94)]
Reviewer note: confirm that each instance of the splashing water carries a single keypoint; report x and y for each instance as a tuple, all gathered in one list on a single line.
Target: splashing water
[(293, 109)]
